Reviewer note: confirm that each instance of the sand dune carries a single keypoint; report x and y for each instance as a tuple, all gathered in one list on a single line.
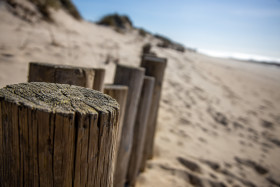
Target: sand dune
[(219, 119)]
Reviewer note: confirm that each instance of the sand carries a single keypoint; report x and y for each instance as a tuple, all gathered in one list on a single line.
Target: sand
[(219, 119)]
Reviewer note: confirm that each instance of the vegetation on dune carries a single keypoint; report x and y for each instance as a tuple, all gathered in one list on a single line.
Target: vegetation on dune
[(44, 6), (123, 23), (71, 8), (142, 32), (167, 43), (118, 22), (165, 40)]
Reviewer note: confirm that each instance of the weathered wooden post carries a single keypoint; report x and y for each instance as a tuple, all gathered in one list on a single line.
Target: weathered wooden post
[(119, 93), (56, 135), (140, 130), (155, 67), (99, 75), (133, 78), (63, 74)]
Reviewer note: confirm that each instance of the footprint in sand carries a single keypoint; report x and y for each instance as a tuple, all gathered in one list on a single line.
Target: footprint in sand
[(273, 181), (267, 124), (189, 164), (192, 178), (238, 125), (252, 164), (213, 165), (180, 144), (203, 140), (271, 138), (243, 181), (184, 121), (7, 55), (218, 116)]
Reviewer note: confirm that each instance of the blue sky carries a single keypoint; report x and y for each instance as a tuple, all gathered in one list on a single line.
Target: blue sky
[(242, 26)]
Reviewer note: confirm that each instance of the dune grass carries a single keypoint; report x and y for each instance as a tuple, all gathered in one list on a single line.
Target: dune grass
[(118, 22), (44, 6)]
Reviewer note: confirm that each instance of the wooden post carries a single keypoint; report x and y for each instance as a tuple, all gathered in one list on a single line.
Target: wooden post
[(56, 135), (98, 79), (140, 130), (155, 67), (119, 93), (133, 78), (63, 74)]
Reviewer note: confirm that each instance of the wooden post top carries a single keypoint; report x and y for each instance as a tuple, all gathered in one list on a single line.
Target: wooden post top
[(99, 69), (131, 68), (58, 65), (59, 98), (151, 58)]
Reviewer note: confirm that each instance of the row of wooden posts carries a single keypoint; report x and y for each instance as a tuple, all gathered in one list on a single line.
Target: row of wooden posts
[(107, 148)]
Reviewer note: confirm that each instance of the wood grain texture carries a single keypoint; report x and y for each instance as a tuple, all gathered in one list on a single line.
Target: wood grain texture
[(63, 74), (155, 67), (99, 76), (133, 78), (118, 92), (140, 132), (57, 135)]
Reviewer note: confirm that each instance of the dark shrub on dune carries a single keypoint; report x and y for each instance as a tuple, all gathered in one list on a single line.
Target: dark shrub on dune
[(43, 7), (167, 43), (142, 32), (71, 8), (116, 21)]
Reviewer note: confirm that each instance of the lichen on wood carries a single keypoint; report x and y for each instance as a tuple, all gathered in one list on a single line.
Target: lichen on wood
[(58, 97), (57, 135)]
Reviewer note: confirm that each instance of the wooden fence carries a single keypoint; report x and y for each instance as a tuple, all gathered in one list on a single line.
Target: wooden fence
[(55, 133)]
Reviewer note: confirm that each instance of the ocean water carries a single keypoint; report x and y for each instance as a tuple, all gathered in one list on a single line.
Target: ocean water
[(240, 56)]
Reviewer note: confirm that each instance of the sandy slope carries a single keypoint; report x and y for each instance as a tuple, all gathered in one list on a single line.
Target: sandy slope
[(219, 120)]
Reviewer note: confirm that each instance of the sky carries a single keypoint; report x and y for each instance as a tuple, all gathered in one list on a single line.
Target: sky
[(221, 26)]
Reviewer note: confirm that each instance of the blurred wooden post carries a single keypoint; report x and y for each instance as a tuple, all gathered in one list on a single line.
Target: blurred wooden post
[(63, 74), (133, 78), (140, 130), (119, 93), (98, 79), (56, 135), (155, 67)]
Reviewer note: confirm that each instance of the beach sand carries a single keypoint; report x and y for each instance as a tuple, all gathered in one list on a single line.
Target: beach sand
[(219, 119)]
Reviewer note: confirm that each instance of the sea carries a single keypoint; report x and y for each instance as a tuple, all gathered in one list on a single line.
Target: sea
[(241, 56)]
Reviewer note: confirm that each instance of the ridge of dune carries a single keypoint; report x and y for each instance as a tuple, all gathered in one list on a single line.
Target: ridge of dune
[(219, 119)]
